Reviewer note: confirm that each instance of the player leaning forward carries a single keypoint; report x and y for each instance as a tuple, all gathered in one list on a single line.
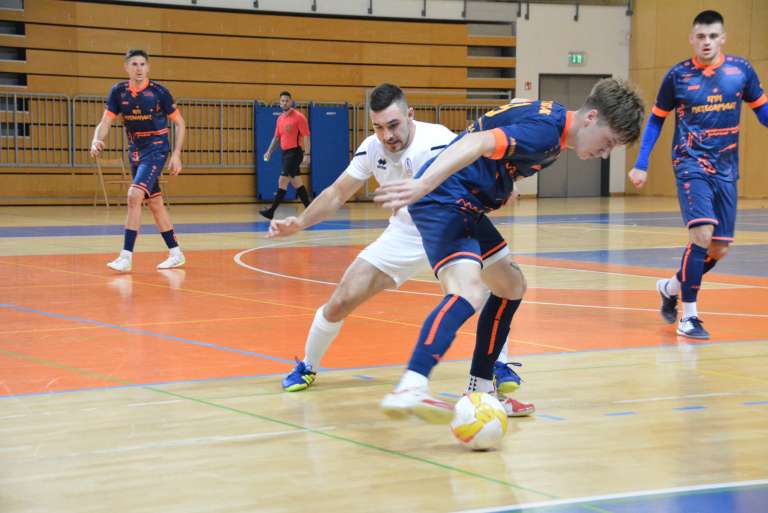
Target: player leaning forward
[(449, 200), (398, 148)]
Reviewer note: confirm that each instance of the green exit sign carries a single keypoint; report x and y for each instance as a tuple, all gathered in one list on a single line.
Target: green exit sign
[(576, 58)]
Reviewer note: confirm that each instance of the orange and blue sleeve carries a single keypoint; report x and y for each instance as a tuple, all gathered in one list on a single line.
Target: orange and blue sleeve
[(113, 103), (501, 144)]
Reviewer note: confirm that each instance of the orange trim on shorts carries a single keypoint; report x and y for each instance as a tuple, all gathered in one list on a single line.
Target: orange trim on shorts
[(493, 250), (758, 103), (702, 220), (728, 239), (495, 329), (439, 319), (453, 256), (502, 143), (564, 135), (150, 133), (660, 112)]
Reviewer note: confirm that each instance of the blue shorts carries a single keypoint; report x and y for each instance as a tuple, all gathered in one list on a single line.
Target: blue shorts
[(708, 200), (146, 169), (450, 233)]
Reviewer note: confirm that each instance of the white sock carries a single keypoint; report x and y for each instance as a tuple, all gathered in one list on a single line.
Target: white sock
[(412, 379), (479, 384), (124, 253), (689, 310), (504, 355), (321, 334), (672, 288), (175, 251)]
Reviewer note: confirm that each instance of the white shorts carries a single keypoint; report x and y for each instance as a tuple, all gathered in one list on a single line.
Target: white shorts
[(398, 253)]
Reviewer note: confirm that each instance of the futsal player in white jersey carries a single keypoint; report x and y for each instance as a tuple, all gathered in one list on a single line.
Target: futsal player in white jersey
[(399, 147)]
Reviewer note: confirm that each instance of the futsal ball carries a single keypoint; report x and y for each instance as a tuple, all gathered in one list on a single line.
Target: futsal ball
[(479, 421)]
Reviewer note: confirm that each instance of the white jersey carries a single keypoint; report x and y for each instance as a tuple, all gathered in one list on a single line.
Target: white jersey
[(372, 159)]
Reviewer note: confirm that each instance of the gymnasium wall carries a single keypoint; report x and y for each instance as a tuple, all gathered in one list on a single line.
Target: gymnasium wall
[(75, 48), (543, 43), (660, 32)]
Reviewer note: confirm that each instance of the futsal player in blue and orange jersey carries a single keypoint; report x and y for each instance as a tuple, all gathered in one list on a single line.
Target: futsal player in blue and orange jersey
[(146, 107), (449, 200), (705, 93)]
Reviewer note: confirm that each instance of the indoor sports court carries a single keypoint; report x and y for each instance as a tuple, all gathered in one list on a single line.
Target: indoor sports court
[(160, 389)]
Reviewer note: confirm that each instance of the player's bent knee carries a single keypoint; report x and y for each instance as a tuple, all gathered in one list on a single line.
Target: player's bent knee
[(340, 305)]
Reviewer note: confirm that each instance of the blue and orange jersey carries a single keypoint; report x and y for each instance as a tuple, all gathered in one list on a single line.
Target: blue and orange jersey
[(707, 105), (530, 134), (145, 112)]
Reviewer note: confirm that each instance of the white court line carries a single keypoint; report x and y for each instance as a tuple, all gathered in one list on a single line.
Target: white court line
[(626, 495), (238, 260), (153, 403)]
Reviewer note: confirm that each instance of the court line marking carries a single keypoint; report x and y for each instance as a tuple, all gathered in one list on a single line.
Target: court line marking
[(239, 261), (618, 496), (273, 420), (137, 331)]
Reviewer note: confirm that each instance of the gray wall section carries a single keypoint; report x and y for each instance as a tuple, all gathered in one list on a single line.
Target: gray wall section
[(569, 176)]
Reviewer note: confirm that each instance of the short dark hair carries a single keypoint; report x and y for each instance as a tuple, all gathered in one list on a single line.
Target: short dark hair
[(286, 93), (136, 52), (708, 18), (384, 95), (619, 105)]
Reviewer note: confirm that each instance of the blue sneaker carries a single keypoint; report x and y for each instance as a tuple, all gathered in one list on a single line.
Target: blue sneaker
[(691, 327), (507, 380), (299, 379)]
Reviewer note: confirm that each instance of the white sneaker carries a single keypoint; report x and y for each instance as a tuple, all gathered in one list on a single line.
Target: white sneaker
[(173, 261), (513, 407), (121, 264), (419, 402)]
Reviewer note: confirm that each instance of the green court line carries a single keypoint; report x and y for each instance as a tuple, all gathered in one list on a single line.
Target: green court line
[(391, 452)]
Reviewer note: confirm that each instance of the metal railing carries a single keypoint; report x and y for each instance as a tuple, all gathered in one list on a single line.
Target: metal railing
[(52, 130)]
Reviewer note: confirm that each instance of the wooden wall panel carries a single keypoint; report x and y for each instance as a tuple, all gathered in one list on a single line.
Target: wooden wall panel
[(164, 20)]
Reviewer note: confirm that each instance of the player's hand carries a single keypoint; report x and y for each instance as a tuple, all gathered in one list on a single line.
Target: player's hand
[(283, 227), (174, 165), (398, 194), (266, 157), (638, 177), (96, 147)]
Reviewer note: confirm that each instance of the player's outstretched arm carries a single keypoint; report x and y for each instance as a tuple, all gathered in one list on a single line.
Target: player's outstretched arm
[(328, 202), (638, 174), (455, 157)]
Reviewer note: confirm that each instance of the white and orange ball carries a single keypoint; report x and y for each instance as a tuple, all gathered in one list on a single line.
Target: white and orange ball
[(479, 421)]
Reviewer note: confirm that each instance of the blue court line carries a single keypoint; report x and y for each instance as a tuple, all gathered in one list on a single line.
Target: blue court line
[(688, 408), (756, 218), (742, 260), (749, 497), (549, 417), (363, 377), (138, 331), (755, 403), (620, 413)]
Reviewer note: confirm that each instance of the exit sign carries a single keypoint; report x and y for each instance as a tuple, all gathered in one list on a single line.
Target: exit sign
[(576, 58)]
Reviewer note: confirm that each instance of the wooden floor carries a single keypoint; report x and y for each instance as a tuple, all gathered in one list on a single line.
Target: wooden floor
[(160, 391)]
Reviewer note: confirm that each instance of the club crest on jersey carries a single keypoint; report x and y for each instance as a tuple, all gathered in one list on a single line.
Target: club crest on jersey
[(408, 167), (381, 163)]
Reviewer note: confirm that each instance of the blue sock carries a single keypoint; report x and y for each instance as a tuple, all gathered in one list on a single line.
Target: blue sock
[(691, 271), (170, 239), (129, 241), (438, 332), (492, 331)]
